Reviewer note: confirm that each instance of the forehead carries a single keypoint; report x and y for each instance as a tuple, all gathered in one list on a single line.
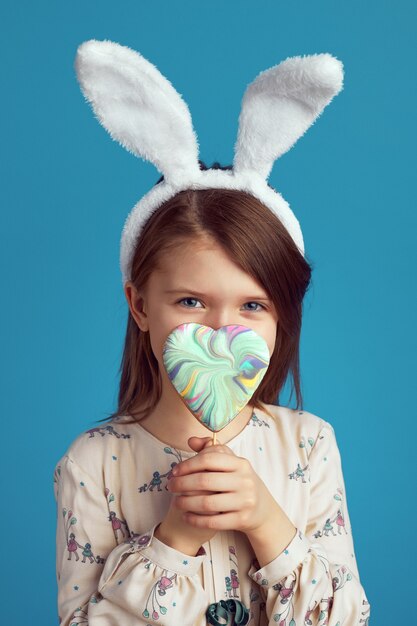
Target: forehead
[(202, 265)]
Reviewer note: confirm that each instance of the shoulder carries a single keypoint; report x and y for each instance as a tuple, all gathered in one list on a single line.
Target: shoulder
[(97, 446), (295, 423)]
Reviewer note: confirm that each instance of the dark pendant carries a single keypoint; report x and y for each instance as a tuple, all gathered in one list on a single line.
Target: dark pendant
[(226, 610)]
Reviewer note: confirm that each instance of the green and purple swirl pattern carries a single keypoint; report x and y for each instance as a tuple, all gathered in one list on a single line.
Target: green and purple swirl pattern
[(216, 372)]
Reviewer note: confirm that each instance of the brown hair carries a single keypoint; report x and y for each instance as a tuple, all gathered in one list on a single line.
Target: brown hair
[(256, 240)]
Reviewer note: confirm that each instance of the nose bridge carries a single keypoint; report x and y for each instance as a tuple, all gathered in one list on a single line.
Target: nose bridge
[(221, 315)]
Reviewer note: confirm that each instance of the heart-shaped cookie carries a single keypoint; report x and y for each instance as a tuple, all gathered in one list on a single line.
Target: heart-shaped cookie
[(215, 372)]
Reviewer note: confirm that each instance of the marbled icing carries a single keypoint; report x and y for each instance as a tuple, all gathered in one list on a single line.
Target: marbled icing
[(216, 372)]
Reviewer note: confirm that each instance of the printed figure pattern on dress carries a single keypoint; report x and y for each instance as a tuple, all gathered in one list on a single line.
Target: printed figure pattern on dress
[(256, 421), (105, 430), (310, 592), (116, 522), (161, 586), (156, 480), (73, 545), (338, 518), (232, 581)]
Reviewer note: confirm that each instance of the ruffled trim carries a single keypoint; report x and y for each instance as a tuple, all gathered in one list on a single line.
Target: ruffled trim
[(284, 564), (165, 556)]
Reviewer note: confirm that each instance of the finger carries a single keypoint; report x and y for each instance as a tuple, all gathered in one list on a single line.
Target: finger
[(218, 447), (209, 459), (209, 504), (198, 443), (188, 492), (205, 481), (222, 521)]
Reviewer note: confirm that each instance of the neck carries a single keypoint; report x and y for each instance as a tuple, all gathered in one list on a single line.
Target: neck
[(172, 422)]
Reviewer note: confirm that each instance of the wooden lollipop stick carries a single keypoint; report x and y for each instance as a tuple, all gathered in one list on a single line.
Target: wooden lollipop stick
[(214, 438)]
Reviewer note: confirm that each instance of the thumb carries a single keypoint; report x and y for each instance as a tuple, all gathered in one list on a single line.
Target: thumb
[(198, 443)]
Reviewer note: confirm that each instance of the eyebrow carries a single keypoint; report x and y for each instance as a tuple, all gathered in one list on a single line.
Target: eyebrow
[(202, 295)]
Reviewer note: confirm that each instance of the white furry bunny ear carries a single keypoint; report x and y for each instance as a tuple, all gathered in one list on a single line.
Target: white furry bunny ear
[(141, 110), (280, 105), (138, 106)]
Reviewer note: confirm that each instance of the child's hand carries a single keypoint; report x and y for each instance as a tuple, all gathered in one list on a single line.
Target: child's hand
[(175, 531), (242, 502)]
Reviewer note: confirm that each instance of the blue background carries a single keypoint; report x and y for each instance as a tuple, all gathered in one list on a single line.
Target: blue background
[(67, 189)]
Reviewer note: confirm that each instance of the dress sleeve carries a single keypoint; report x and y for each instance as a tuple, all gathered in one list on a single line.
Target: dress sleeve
[(101, 581), (315, 579)]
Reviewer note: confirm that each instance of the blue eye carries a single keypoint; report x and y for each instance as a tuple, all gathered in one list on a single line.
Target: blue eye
[(196, 300), (257, 303), (189, 307)]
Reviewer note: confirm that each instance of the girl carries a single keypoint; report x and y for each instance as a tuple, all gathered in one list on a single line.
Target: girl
[(170, 528)]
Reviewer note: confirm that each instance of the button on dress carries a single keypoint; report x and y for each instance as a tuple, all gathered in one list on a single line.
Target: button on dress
[(111, 492)]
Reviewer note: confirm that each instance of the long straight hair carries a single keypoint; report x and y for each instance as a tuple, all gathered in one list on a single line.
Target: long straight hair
[(256, 240)]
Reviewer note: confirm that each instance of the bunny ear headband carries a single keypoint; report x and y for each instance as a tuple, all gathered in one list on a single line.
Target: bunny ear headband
[(141, 109)]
